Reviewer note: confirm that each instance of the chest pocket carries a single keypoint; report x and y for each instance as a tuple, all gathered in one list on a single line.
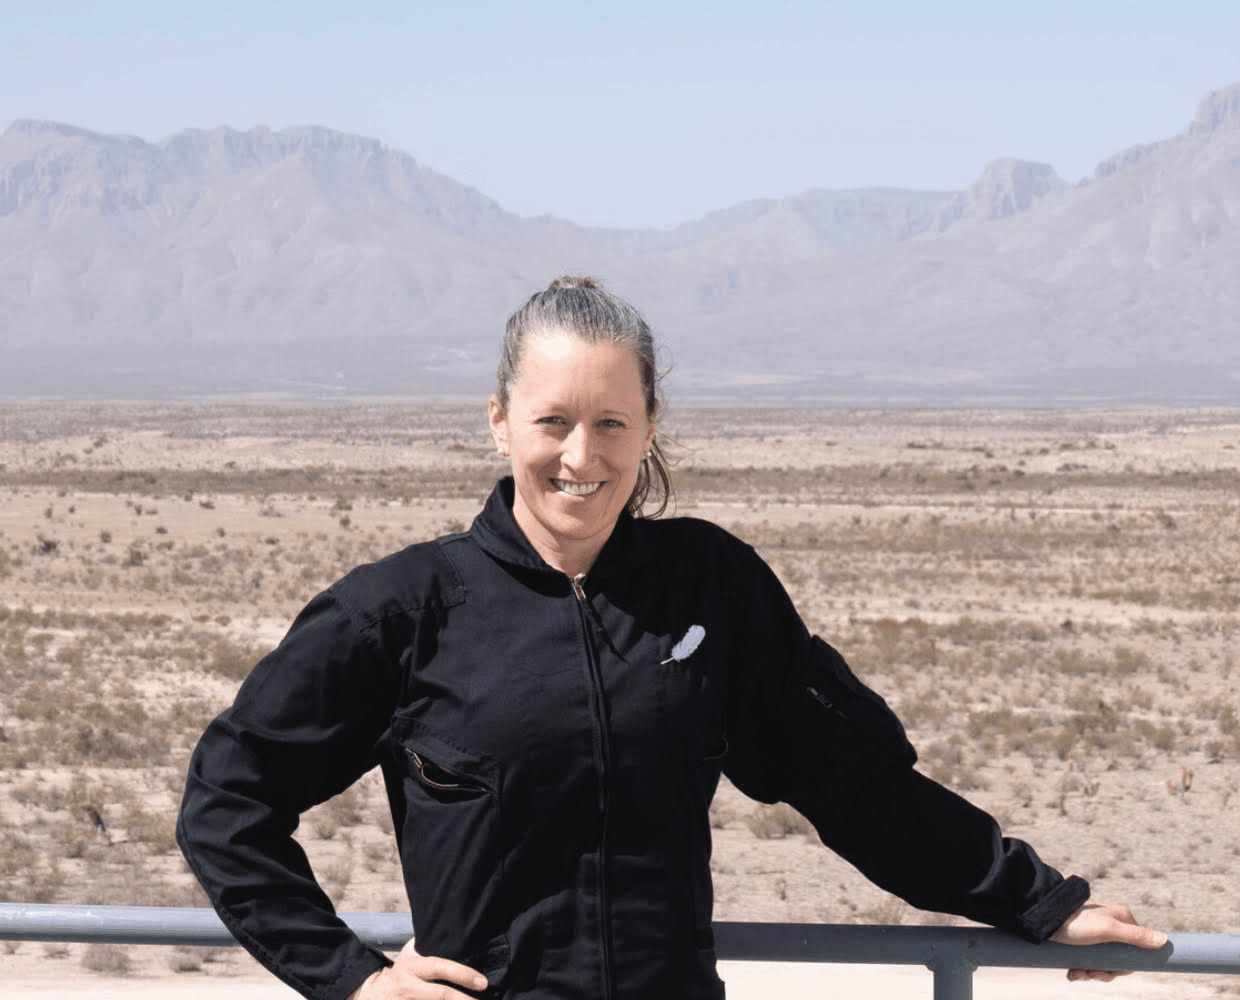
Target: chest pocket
[(695, 695), (452, 810)]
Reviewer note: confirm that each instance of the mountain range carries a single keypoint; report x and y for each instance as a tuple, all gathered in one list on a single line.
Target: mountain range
[(313, 262)]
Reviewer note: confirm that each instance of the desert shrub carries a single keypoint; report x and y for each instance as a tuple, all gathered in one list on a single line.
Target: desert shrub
[(191, 958), (136, 744), (947, 762), (17, 856), (1127, 660), (720, 815), (381, 856), (190, 715), (778, 821), (232, 659), (345, 809), (71, 837), (928, 712), (336, 876), (45, 883), (968, 631), (155, 831), (324, 824), (184, 958), (185, 892), (1099, 727), (1144, 596), (107, 959), (1024, 733), (1163, 738), (71, 655), (28, 793), (33, 704)]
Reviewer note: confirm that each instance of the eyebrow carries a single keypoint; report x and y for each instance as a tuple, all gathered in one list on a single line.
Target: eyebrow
[(549, 409)]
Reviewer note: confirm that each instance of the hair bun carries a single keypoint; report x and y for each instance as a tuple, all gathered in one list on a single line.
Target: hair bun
[(574, 281)]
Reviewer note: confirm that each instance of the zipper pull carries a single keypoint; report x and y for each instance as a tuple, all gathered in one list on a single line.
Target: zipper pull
[(577, 582)]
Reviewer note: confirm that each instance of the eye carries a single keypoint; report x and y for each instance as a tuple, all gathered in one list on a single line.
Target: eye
[(550, 421), (611, 423)]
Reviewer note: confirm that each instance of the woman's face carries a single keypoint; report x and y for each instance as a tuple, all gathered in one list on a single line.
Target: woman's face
[(577, 430)]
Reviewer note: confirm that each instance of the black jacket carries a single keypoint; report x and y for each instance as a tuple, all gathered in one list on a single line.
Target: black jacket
[(550, 753)]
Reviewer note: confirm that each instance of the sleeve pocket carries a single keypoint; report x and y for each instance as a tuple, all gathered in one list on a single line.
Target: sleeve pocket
[(839, 720)]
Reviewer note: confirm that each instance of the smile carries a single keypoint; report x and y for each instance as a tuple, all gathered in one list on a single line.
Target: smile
[(576, 489)]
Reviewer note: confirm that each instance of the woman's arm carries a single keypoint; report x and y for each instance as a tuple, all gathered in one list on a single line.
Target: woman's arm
[(929, 846), (803, 729), (304, 726)]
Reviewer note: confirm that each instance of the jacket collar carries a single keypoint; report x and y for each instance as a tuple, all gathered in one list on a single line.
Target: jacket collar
[(496, 532)]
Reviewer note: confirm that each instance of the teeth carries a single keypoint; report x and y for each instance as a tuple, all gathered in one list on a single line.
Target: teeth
[(576, 489)]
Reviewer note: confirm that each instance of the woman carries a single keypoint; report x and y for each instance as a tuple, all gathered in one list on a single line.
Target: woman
[(552, 697)]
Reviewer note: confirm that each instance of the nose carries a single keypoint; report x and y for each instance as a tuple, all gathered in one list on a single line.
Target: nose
[(579, 448)]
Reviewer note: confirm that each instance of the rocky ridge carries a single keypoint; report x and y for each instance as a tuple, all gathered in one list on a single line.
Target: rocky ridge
[(309, 260)]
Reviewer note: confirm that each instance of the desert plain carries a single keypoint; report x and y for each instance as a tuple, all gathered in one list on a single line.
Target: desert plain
[(1050, 599)]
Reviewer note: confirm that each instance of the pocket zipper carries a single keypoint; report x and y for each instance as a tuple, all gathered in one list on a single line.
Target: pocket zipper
[(421, 766), (823, 700)]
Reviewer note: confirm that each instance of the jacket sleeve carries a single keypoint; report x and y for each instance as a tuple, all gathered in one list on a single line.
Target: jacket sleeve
[(804, 730), (304, 726)]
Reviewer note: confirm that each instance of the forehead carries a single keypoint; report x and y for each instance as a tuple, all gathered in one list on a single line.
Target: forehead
[(553, 345), (559, 366)]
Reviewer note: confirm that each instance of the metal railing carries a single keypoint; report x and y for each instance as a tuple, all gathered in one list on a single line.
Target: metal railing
[(951, 953)]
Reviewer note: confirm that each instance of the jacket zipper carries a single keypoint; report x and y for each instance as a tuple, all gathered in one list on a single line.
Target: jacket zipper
[(602, 753)]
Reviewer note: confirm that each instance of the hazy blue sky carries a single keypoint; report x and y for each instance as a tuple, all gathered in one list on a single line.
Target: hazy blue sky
[(634, 115)]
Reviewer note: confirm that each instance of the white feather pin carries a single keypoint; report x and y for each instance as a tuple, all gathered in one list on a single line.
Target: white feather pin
[(684, 649)]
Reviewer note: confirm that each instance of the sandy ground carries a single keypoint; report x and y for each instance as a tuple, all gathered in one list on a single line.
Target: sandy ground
[(38, 979)]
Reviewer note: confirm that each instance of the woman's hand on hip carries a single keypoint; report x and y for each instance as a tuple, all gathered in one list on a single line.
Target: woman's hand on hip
[(1099, 923), (419, 977)]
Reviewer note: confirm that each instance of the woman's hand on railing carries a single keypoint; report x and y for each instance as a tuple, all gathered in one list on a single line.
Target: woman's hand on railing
[(1099, 923), (419, 977)]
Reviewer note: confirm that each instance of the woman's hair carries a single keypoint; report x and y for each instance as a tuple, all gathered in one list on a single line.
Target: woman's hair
[(580, 306)]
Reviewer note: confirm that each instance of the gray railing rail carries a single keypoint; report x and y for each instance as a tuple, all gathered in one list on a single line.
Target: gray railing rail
[(951, 953)]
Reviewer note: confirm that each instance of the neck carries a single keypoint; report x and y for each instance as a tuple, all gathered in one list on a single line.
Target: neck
[(571, 557), (571, 560)]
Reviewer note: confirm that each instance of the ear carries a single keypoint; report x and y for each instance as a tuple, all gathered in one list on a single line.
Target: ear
[(651, 427), (498, 420)]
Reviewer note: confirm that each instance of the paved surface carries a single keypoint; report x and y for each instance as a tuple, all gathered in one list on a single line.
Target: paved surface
[(746, 981)]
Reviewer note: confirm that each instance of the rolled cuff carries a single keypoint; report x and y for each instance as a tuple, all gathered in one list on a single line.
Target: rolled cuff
[(1048, 914)]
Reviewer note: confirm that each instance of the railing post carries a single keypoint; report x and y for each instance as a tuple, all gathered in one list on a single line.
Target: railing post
[(953, 977)]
